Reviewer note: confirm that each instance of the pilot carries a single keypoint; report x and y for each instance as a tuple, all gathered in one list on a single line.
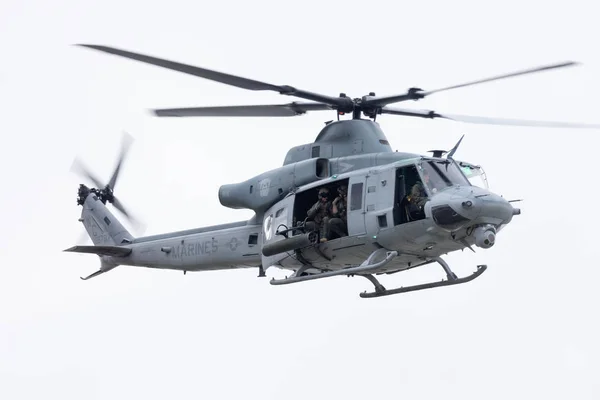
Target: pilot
[(338, 223), (416, 201), (431, 184), (319, 215)]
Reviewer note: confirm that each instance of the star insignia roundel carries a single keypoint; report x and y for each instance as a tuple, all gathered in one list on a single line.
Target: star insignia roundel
[(233, 244)]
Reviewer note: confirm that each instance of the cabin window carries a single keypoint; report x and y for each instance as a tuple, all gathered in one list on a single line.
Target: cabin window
[(253, 239), (278, 213), (322, 168), (382, 220), (356, 196)]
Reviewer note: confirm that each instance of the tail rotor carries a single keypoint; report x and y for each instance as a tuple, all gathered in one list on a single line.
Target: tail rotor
[(105, 192)]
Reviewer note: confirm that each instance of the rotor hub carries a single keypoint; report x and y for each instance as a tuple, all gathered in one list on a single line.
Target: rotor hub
[(107, 195), (103, 195)]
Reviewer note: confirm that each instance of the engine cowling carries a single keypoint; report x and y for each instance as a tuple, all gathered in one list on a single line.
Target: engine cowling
[(260, 192)]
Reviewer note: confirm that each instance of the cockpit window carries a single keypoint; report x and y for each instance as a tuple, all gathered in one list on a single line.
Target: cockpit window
[(475, 174), (438, 175)]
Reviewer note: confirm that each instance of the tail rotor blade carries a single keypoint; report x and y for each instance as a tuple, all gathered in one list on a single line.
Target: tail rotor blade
[(137, 224), (80, 169), (127, 140), (119, 206)]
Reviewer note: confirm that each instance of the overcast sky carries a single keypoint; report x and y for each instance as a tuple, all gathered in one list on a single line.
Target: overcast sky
[(527, 328)]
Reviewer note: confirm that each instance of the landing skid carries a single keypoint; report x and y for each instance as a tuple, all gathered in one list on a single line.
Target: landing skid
[(382, 291), (369, 266)]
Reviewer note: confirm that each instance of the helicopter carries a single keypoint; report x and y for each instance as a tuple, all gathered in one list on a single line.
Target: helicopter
[(399, 210)]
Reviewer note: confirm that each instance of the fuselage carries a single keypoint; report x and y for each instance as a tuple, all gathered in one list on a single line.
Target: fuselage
[(456, 215)]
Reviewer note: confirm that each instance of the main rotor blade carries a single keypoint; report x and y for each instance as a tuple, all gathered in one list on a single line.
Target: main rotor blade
[(127, 139), (274, 110), (415, 94), (504, 76), (221, 77), (485, 120)]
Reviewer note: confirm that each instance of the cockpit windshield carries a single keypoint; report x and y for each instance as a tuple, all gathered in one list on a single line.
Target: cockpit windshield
[(475, 174), (440, 174)]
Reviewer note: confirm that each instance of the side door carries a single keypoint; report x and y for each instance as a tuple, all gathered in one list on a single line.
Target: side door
[(279, 217), (356, 205), (379, 201)]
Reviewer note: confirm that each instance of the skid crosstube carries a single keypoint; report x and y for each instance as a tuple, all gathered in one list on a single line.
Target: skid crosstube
[(452, 280)]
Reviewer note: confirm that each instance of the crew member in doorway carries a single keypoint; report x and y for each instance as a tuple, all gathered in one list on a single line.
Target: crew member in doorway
[(416, 201), (338, 224), (319, 215)]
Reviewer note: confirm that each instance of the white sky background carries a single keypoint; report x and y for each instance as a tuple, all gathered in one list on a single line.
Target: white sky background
[(527, 328)]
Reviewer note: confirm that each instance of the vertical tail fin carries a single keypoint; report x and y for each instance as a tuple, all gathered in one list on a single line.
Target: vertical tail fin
[(101, 225)]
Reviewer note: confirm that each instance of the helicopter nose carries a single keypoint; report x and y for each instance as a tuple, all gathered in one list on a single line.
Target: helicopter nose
[(455, 209), (496, 210)]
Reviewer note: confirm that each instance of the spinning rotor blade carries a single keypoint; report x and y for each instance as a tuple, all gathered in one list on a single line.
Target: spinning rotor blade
[(138, 225), (415, 93), (221, 77), (119, 206), (484, 120), (127, 140), (275, 110), (80, 169)]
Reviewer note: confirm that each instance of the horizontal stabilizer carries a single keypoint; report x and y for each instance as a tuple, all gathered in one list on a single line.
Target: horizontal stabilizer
[(114, 251)]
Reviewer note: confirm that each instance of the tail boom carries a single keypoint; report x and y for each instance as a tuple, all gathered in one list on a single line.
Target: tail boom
[(211, 248), (226, 246)]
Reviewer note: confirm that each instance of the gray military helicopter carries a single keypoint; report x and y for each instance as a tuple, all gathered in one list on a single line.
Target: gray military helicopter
[(402, 211)]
